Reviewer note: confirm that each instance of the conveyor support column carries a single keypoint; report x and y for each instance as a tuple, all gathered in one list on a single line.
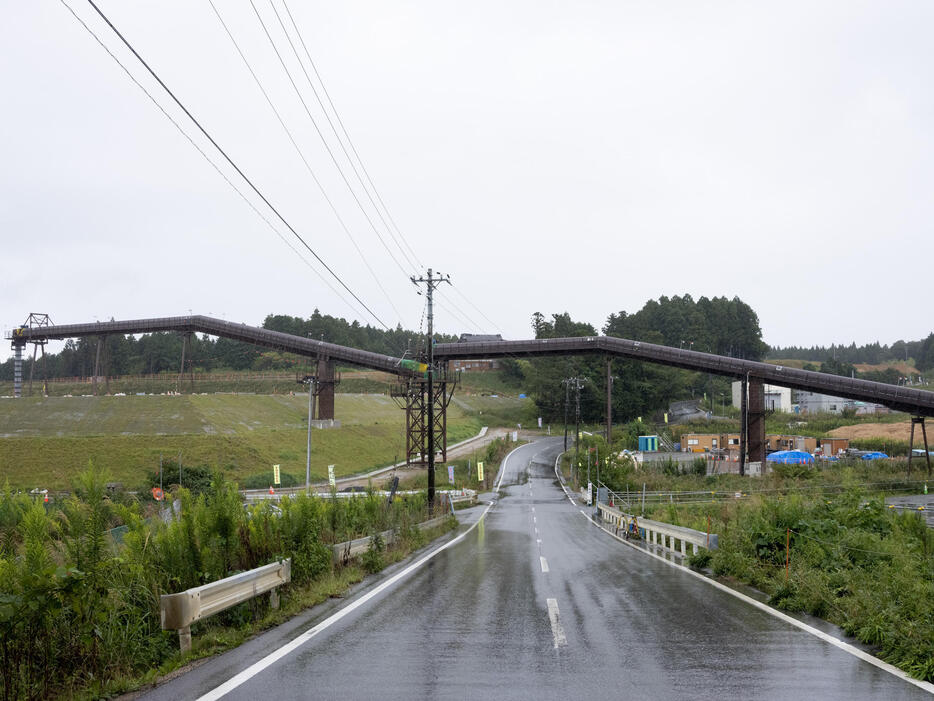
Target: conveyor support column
[(755, 407), (325, 389)]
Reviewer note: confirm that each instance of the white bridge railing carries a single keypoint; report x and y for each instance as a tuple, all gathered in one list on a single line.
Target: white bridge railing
[(673, 538)]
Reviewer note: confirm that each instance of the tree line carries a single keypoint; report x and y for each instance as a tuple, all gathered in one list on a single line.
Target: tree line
[(870, 354), (718, 325)]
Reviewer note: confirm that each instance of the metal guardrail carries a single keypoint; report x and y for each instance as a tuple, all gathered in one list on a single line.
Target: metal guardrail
[(180, 610), (469, 496), (343, 552), (657, 533)]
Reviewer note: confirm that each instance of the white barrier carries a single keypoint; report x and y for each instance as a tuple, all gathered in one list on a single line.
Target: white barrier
[(342, 552), (657, 533), (180, 610)]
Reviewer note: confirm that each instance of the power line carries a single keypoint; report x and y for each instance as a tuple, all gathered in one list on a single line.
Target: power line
[(231, 162), (457, 317), (327, 146), (353, 148), (304, 160), (479, 311), (463, 314), (205, 156), (355, 152)]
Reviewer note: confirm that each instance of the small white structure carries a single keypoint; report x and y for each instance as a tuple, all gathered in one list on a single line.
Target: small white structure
[(814, 403), (776, 398)]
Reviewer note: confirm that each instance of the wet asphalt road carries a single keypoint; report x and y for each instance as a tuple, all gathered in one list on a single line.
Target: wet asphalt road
[(536, 602)]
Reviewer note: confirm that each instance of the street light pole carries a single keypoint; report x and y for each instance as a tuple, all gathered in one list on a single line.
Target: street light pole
[(310, 381)]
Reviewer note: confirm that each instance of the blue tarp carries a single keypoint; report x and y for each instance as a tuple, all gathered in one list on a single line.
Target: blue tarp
[(790, 457), (874, 456)]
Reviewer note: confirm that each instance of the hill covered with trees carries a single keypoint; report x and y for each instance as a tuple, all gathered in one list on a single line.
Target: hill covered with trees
[(718, 325)]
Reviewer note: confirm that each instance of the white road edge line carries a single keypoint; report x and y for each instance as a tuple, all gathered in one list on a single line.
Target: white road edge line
[(544, 564), (556, 629), (826, 637), (277, 655)]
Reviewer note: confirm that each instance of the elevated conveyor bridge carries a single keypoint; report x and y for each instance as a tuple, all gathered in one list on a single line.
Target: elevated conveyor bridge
[(753, 374)]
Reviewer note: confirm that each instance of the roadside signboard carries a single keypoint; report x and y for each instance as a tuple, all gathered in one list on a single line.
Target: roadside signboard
[(275, 475), (451, 474), (479, 471), (331, 479)]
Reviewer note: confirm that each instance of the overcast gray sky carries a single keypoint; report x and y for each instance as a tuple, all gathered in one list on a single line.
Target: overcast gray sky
[(551, 156)]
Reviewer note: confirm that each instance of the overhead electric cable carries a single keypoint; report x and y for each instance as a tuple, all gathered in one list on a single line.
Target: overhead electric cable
[(457, 317), (232, 163), (343, 129), (324, 141), (480, 311), (301, 155), (464, 315), (206, 157), (356, 154)]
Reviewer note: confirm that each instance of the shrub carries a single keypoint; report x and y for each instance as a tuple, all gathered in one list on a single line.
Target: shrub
[(195, 478), (262, 480)]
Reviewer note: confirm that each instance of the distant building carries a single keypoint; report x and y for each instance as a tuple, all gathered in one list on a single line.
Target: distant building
[(476, 364), (833, 446), (814, 403), (479, 338), (708, 442), (728, 444), (776, 398), (774, 442)]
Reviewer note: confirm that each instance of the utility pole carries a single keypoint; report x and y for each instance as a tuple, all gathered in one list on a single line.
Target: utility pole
[(576, 383), (609, 402), (577, 420), (431, 282), (567, 395)]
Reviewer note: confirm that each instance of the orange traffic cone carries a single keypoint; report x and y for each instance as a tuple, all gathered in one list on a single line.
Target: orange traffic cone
[(46, 499), (271, 490)]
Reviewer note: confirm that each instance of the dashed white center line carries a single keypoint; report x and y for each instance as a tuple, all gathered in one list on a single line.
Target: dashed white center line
[(533, 509), (539, 541), (544, 564), (556, 629), (534, 519), (536, 531)]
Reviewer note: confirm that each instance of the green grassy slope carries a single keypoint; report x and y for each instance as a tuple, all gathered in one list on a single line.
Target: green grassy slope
[(44, 442)]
